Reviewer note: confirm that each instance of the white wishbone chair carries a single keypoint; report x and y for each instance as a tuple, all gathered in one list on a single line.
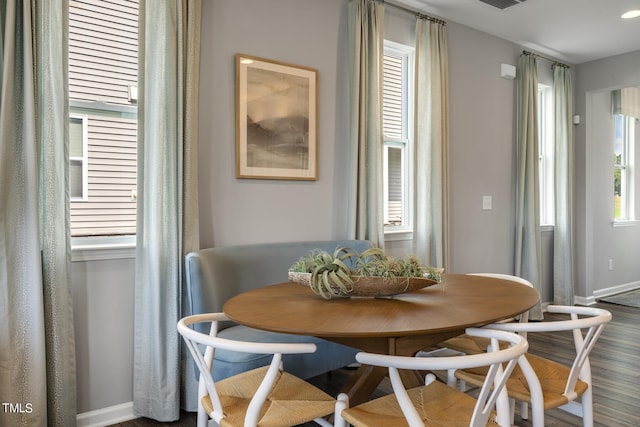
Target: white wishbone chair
[(471, 345), (544, 383), (266, 396), (435, 403)]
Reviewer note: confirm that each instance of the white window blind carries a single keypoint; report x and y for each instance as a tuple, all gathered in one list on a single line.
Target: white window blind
[(393, 109), (626, 101)]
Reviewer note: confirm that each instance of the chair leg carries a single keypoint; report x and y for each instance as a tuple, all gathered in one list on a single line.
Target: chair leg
[(452, 381), (537, 413), (582, 409), (429, 378), (524, 410), (203, 417), (587, 408), (512, 410), (341, 404), (503, 409)]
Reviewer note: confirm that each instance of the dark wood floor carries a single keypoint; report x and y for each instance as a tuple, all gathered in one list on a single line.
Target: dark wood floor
[(615, 365)]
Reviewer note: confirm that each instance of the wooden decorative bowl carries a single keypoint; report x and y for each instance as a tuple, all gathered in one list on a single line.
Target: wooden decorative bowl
[(371, 286)]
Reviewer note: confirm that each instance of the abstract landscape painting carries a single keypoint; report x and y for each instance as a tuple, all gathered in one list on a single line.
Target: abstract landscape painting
[(276, 117)]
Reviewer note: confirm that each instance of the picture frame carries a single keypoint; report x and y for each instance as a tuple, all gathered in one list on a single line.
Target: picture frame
[(276, 120)]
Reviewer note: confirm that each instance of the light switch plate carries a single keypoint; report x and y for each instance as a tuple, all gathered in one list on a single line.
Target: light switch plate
[(487, 203)]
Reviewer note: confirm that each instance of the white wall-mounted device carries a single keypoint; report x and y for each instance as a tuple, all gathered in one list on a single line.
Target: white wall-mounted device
[(507, 71)]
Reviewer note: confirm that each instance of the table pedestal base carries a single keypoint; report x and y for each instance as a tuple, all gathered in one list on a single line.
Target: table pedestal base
[(366, 379)]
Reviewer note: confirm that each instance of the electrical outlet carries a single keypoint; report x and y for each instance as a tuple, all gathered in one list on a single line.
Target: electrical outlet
[(610, 265)]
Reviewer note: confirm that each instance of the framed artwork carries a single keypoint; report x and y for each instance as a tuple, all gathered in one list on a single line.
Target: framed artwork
[(276, 120)]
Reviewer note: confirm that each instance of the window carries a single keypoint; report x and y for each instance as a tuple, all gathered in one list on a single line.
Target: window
[(78, 157), (623, 167), (398, 135), (103, 71), (546, 149)]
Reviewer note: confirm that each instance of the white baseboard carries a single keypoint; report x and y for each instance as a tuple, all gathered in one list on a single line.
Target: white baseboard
[(106, 416), (584, 300), (603, 293)]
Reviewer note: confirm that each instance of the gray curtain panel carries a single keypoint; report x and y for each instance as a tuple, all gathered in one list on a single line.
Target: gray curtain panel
[(528, 241), (366, 47), (563, 266), (431, 158), (37, 345), (167, 216)]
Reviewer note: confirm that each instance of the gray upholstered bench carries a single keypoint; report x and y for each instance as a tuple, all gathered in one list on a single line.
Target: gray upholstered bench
[(216, 274)]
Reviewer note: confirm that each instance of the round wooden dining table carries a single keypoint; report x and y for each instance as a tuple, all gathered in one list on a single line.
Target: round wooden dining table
[(400, 325)]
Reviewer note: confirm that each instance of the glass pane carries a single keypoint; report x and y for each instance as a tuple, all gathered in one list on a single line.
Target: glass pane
[(75, 179), (75, 137), (103, 63), (622, 187), (618, 146), (546, 154), (394, 183), (619, 138), (617, 200)]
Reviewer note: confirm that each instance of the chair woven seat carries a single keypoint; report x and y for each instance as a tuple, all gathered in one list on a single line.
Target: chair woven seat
[(553, 378), (438, 405), (292, 401), (466, 344)]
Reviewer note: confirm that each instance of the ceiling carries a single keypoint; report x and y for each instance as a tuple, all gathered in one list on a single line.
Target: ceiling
[(574, 31)]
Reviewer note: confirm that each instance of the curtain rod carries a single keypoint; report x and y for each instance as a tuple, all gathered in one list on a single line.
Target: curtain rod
[(553, 61), (414, 12)]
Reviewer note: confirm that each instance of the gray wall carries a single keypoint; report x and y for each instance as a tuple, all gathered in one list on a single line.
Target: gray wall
[(597, 241), (233, 211), (482, 151), (102, 294), (237, 211)]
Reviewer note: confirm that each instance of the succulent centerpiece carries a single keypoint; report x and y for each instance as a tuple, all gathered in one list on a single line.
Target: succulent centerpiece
[(370, 273)]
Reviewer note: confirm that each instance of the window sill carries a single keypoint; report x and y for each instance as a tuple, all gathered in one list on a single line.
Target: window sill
[(625, 223), (103, 248), (397, 235)]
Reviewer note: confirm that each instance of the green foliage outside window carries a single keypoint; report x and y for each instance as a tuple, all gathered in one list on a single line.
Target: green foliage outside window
[(616, 186)]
